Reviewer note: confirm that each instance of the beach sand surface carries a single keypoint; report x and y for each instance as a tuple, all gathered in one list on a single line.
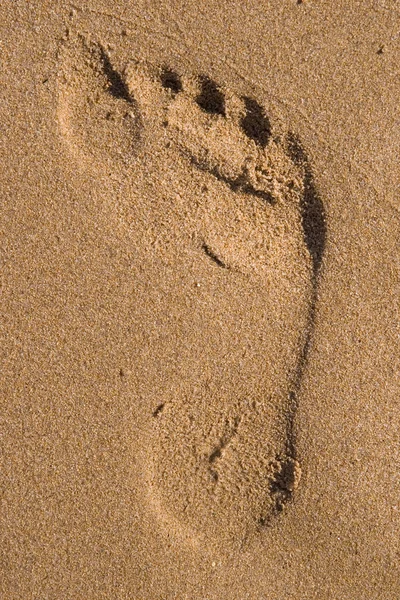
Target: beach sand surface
[(199, 242)]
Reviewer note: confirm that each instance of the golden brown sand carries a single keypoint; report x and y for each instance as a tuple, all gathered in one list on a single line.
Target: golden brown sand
[(200, 300)]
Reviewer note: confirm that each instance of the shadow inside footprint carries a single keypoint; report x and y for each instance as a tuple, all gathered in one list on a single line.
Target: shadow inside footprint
[(312, 208), (210, 98), (117, 86), (313, 220), (171, 80), (256, 123)]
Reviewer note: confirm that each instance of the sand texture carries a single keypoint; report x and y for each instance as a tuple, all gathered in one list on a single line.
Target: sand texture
[(200, 243)]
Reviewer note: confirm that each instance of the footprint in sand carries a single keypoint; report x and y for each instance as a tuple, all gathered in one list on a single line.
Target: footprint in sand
[(222, 462)]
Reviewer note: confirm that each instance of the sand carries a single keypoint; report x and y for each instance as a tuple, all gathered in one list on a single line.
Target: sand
[(200, 300)]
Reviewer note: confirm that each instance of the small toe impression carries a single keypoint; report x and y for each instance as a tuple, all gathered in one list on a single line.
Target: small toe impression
[(210, 99), (255, 122), (170, 80), (98, 117)]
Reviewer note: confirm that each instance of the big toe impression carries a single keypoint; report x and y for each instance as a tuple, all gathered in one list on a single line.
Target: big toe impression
[(99, 119)]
